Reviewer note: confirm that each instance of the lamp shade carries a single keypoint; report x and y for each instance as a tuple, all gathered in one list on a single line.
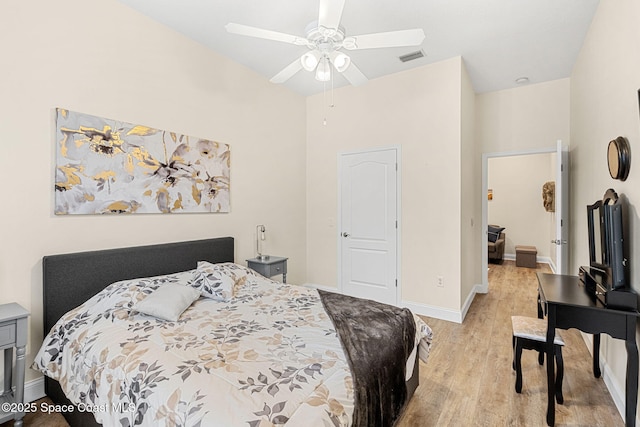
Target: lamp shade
[(323, 72), (340, 61), (309, 60)]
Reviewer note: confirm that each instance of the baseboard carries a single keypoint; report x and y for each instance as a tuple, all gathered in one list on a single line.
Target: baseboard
[(33, 390), (617, 394), (420, 309), (480, 289), (539, 259), (616, 390), (431, 311), (544, 260), (324, 288), (477, 289), (425, 309)]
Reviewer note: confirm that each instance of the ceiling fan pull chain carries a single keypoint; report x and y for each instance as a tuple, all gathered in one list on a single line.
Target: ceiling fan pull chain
[(324, 102), (332, 104)]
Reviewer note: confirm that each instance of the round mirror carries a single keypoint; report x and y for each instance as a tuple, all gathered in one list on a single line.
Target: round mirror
[(619, 158)]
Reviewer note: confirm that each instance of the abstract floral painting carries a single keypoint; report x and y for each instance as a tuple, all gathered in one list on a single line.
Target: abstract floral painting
[(111, 167)]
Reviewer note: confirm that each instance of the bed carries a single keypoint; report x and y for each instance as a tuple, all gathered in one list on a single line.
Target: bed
[(271, 354)]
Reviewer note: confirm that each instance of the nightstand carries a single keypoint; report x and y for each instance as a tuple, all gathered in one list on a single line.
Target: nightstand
[(269, 266), (13, 333)]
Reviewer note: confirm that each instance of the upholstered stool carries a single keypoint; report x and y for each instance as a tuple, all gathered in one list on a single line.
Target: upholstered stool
[(530, 333), (526, 256)]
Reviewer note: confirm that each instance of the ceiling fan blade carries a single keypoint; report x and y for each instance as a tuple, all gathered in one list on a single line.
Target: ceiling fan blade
[(330, 13), (287, 72), (391, 39), (260, 33), (354, 75)]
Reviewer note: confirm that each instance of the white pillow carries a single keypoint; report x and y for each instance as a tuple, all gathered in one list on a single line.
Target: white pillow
[(168, 302), (236, 272), (212, 283)]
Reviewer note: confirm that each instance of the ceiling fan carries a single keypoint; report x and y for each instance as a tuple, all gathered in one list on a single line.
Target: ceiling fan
[(325, 40)]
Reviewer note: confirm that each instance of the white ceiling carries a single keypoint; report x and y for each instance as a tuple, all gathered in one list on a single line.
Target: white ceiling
[(500, 40)]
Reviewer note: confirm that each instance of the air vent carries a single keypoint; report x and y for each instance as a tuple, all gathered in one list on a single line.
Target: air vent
[(411, 56)]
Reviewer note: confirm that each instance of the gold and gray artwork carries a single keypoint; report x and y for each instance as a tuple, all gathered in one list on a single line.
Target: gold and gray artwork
[(112, 167)]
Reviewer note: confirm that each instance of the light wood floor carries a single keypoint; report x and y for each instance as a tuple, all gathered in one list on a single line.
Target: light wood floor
[(468, 380)]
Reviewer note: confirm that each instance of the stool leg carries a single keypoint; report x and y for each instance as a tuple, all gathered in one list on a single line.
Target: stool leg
[(513, 346), (541, 358), (559, 375), (518, 366)]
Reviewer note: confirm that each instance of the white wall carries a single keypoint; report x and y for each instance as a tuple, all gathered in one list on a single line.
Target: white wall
[(604, 105), (105, 59), (526, 118), (517, 183), (420, 110)]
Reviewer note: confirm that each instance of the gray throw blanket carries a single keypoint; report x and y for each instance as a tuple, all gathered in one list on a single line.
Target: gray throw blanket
[(377, 339)]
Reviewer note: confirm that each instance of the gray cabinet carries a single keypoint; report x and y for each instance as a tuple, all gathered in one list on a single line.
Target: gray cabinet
[(13, 333), (269, 266)]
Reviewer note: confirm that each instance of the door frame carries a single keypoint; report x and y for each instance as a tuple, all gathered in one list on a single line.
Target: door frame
[(485, 203), (398, 150)]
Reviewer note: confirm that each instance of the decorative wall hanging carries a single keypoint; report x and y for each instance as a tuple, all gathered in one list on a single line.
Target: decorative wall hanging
[(106, 166), (549, 196), (619, 158)]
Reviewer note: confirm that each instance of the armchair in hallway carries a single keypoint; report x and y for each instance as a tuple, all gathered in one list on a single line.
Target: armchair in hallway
[(496, 240)]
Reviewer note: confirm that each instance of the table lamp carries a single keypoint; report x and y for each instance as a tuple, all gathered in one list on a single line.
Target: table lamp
[(260, 237)]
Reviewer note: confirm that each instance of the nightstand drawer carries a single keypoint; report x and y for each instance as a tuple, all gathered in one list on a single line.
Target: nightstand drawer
[(7, 334), (275, 269)]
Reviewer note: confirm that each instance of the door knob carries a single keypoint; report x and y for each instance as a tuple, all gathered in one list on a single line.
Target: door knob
[(345, 234)]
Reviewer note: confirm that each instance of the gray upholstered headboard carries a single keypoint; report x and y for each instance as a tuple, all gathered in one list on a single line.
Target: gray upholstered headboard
[(71, 279)]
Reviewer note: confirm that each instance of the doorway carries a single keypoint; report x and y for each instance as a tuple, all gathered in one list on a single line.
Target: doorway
[(556, 245), (369, 228)]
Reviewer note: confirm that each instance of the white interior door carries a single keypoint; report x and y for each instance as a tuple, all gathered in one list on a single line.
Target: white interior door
[(562, 209), (368, 224)]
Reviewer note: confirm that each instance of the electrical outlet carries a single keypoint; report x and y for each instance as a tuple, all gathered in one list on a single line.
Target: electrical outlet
[(440, 282)]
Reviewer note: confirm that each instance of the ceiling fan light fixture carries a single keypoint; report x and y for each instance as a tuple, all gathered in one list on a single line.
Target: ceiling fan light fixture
[(324, 38), (309, 60), (341, 62), (323, 71)]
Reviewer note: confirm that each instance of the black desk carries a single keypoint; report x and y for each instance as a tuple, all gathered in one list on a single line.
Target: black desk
[(568, 305)]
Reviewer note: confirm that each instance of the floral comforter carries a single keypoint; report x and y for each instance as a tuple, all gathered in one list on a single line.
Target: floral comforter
[(269, 356)]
